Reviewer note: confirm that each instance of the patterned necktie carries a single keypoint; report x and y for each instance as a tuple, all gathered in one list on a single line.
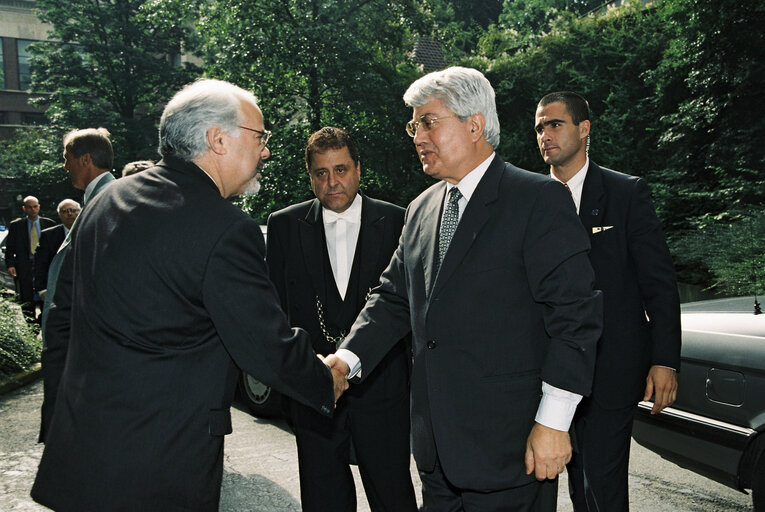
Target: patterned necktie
[(33, 239), (449, 223)]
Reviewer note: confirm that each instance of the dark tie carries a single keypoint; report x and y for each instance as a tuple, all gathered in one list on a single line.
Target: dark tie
[(449, 223)]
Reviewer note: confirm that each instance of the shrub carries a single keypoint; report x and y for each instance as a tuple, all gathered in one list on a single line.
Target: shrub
[(19, 347)]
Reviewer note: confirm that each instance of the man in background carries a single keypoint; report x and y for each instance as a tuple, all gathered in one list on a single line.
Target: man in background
[(23, 238), (324, 256), (88, 158), (50, 241), (640, 347)]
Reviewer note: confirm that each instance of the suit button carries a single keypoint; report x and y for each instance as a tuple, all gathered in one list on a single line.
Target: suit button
[(431, 344)]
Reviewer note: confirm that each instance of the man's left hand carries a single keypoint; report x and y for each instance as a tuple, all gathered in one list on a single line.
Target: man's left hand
[(547, 452), (661, 383)]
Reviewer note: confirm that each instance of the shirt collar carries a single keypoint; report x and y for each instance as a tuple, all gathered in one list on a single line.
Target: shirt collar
[(576, 183), (352, 214), (469, 182), (92, 185)]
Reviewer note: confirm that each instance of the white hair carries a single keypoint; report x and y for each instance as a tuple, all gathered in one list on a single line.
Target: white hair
[(194, 110), (464, 91)]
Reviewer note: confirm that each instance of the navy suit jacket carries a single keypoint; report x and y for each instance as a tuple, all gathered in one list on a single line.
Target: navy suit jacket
[(296, 245), (634, 269), (512, 305)]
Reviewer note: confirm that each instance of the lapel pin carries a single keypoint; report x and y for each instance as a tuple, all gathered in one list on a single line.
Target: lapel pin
[(595, 211)]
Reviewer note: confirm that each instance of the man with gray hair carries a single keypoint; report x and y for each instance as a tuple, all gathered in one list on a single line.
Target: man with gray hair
[(170, 297), (491, 277)]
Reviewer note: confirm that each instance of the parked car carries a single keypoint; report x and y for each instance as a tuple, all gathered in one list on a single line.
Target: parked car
[(262, 400), (717, 425)]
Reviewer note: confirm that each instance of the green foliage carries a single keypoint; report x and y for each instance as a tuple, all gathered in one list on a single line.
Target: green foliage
[(19, 347), (312, 64), (709, 83), (598, 57), (33, 158), (113, 65), (728, 252)]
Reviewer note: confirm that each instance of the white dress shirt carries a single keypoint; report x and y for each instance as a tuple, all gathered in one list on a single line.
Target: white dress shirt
[(576, 183), (341, 231), (557, 407)]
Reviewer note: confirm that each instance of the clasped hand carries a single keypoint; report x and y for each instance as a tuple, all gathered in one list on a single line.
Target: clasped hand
[(340, 372)]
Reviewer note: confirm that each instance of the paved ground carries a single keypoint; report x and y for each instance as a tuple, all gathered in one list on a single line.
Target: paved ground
[(260, 469)]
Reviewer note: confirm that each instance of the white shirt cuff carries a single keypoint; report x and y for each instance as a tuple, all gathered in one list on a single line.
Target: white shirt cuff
[(557, 407), (352, 360)]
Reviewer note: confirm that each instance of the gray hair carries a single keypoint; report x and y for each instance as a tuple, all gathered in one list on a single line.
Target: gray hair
[(63, 202), (464, 91), (195, 109)]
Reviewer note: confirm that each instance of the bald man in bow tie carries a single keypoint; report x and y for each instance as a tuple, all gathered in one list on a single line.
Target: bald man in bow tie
[(324, 255)]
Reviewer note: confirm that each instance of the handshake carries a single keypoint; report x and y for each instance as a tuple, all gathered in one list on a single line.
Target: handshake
[(340, 371)]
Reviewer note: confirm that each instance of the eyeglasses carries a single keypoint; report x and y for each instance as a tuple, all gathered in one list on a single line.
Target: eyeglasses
[(265, 135), (427, 122), (69, 210)]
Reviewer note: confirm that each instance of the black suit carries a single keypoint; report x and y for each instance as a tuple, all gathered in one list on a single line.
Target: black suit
[(50, 240), (634, 270), (170, 292), (512, 305), (18, 254), (373, 417)]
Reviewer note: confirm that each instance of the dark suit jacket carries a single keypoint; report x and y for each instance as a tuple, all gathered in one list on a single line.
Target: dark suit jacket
[(50, 240), (54, 352), (634, 270), (17, 253), (170, 290), (512, 305), (296, 245)]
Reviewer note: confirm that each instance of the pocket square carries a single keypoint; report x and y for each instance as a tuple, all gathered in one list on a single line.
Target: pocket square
[(601, 228)]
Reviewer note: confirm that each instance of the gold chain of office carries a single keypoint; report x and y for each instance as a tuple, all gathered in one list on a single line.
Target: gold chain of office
[(333, 340)]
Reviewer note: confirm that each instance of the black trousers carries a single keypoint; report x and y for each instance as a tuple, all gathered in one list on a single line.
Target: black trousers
[(597, 473), (378, 436), (440, 495)]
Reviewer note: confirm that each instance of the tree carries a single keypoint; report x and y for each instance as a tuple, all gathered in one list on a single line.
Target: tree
[(113, 63), (314, 63)]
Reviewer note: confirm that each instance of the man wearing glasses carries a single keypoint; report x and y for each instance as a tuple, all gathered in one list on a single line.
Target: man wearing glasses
[(491, 277), (324, 255), (170, 296), (50, 240)]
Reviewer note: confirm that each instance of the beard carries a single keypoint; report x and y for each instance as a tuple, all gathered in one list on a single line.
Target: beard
[(252, 187)]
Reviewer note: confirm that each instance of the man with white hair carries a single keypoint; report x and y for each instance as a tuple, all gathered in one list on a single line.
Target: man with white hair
[(170, 295), (491, 277)]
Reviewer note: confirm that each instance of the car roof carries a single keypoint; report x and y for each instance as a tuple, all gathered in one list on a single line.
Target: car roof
[(733, 316), (726, 305)]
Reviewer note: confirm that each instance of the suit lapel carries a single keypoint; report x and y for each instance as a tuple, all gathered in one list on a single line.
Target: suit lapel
[(592, 205), (428, 235), (473, 219), (371, 236), (311, 241)]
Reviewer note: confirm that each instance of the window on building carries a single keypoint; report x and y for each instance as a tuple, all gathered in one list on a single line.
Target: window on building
[(25, 74), (33, 118)]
